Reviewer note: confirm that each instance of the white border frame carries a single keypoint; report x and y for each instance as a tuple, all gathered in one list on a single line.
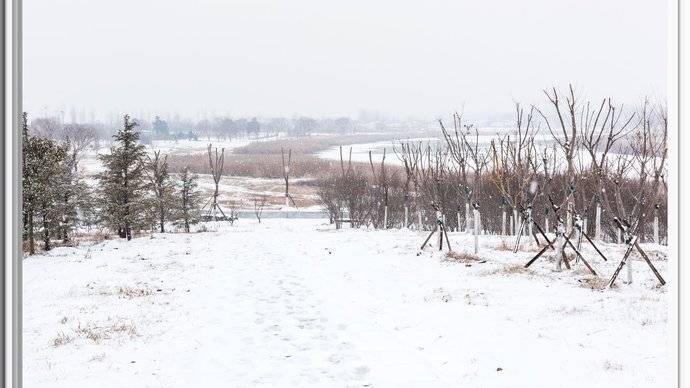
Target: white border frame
[(679, 214)]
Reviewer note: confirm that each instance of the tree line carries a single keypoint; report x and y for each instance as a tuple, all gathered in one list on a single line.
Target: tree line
[(135, 192), (569, 158)]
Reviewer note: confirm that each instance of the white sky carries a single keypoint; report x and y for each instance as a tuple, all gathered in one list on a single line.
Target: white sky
[(327, 58)]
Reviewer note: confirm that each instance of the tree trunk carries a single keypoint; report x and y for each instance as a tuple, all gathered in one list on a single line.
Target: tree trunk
[(32, 242), (597, 223), (656, 227), (46, 233), (477, 226), (503, 222), (385, 217), (515, 222), (467, 218)]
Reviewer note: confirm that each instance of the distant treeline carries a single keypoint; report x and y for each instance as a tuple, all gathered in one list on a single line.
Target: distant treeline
[(219, 128)]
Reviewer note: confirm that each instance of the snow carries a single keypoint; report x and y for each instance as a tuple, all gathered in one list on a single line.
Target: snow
[(295, 303)]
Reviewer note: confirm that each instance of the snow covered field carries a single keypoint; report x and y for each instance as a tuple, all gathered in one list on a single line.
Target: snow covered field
[(295, 303)]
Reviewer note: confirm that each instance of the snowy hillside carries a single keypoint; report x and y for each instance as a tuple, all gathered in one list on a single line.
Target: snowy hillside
[(295, 303)]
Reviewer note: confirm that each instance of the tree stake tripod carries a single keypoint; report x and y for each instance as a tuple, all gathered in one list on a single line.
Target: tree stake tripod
[(632, 242), (441, 228)]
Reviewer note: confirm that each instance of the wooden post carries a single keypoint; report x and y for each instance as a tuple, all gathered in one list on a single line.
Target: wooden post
[(546, 224), (511, 226), (420, 226), (477, 229), (467, 218), (630, 271), (407, 216), (458, 228), (656, 227), (618, 236), (385, 217), (515, 222), (597, 223), (503, 223)]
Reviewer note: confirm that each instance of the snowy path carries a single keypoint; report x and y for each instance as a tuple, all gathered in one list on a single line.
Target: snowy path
[(292, 303)]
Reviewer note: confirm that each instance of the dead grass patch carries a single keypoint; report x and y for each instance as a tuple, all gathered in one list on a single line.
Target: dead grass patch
[(511, 269), (503, 246), (593, 282), (61, 339), (506, 245), (131, 293), (97, 333), (95, 238), (461, 257)]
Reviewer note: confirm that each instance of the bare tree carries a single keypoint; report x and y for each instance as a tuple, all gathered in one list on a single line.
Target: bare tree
[(515, 164), (215, 163), (286, 174), (468, 156), (381, 190), (409, 155), (602, 128), (259, 204), (567, 139)]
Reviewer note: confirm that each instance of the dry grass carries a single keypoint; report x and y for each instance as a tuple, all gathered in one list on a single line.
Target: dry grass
[(131, 293), (503, 246), (461, 257), (525, 245), (97, 333), (512, 269), (256, 165), (263, 159), (95, 238), (61, 339), (593, 282)]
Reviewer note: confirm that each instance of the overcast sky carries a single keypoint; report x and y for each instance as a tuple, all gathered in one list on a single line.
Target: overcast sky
[(330, 58)]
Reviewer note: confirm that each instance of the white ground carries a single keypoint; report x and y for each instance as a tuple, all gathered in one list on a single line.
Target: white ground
[(298, 304)]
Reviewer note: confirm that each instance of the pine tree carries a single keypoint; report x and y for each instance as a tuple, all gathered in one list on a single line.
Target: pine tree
[(189, 199), (162, 188), (28, 195), (122, 183), (44, 164)]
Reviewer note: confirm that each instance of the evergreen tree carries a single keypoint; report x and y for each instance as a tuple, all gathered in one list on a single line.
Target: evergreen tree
[(76, 200), (122, 183), (162, 188), (189, 199), (45, 168), (28, 195)]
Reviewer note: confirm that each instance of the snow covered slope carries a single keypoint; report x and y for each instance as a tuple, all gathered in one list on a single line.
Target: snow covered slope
[(295, 303)]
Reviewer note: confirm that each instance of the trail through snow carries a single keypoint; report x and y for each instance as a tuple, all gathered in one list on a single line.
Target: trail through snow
[(294, 303)]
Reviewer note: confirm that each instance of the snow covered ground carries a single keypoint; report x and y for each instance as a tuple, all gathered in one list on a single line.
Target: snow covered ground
[(295, 303)]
